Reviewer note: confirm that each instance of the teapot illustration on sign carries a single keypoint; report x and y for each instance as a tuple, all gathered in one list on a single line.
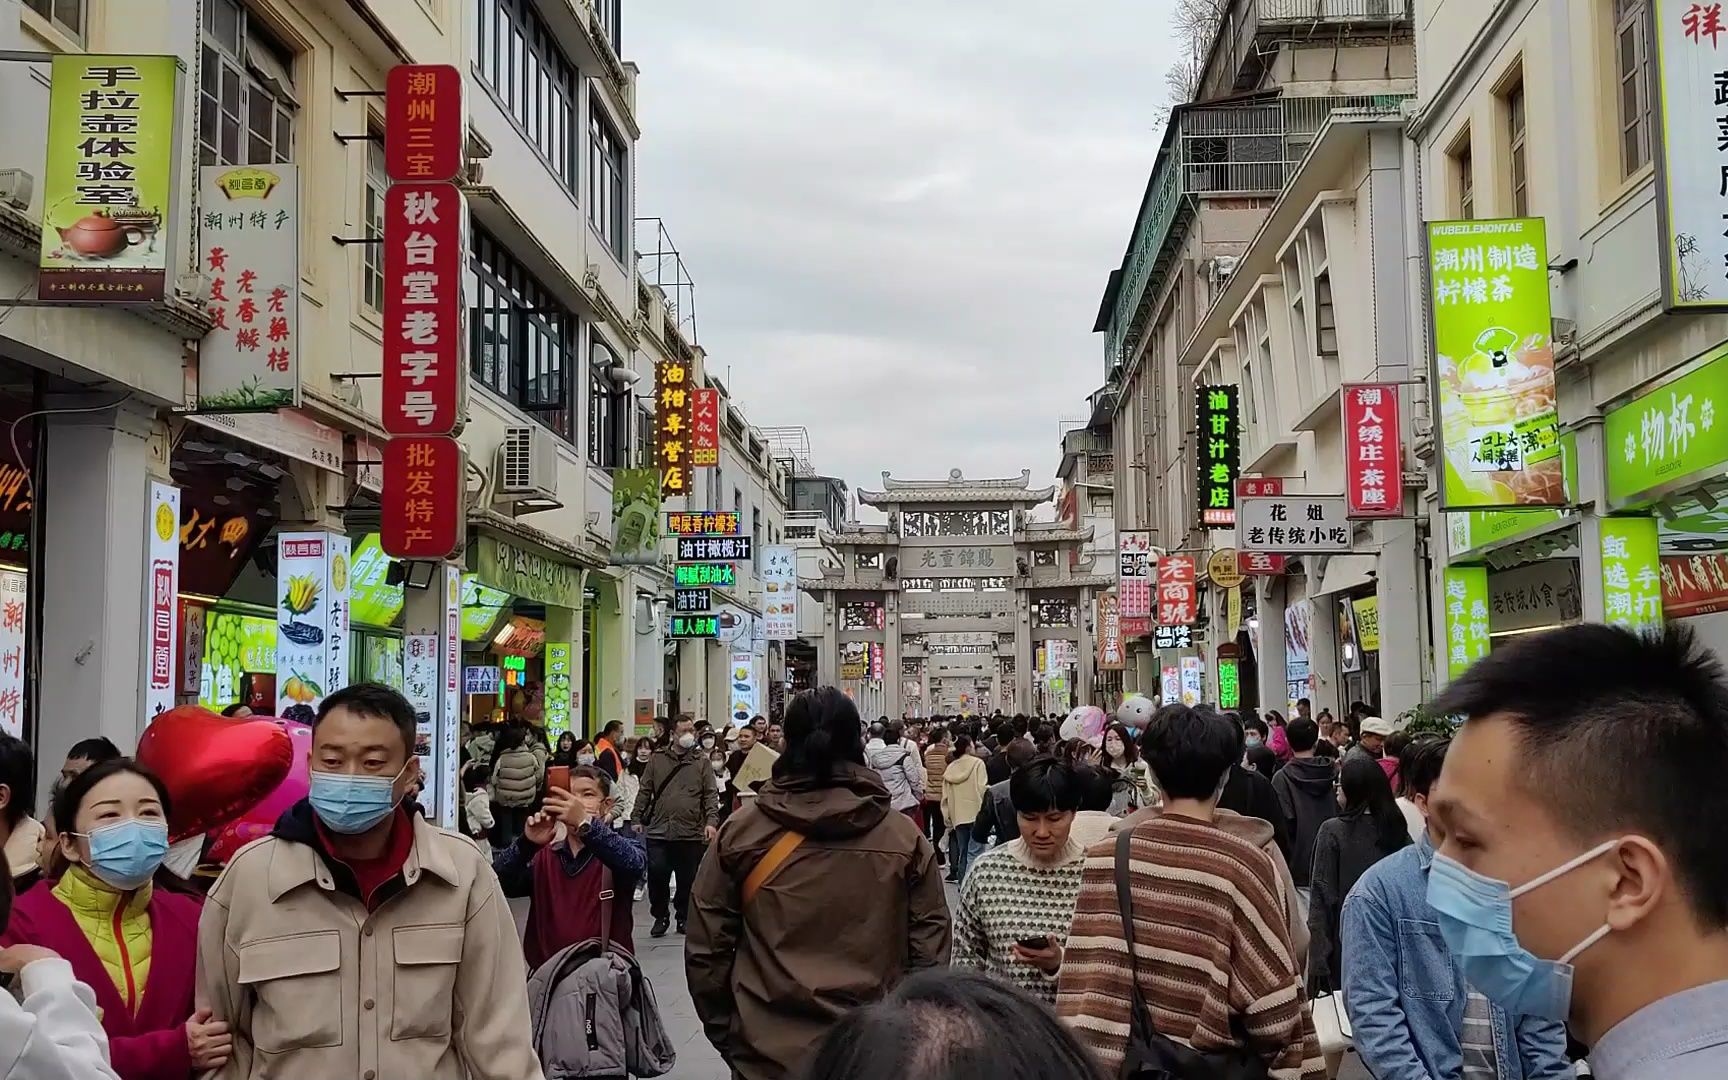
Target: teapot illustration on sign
[(101, 236)]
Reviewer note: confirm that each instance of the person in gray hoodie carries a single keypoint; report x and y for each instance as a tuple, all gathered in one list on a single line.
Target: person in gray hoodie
[(1306, 795), (900, 766)]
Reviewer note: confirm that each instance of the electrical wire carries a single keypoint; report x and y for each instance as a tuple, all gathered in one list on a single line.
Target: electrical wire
[(12, 428)]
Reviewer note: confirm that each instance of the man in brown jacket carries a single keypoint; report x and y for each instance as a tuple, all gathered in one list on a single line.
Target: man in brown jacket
[(841, 918), (679, 807), (357, 940)]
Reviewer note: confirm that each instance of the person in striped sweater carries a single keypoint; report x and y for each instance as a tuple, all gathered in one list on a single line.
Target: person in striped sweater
[(1018, 898), (1211, 945)]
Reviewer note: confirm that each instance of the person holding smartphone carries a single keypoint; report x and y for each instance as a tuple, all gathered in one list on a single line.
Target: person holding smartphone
[(1018, 899)]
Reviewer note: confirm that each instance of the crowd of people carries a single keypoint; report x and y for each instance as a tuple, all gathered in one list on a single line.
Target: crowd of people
[(1210, 893)]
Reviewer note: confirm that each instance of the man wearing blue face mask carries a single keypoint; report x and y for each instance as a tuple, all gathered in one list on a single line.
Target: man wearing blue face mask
[(358, 940), (1415, 1014), (1580, 873)]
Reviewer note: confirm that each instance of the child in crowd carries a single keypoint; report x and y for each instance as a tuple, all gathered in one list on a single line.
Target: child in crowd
[(477, 805)]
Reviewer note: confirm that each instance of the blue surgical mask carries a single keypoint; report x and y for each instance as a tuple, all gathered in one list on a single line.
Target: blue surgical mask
[(350, 804), (1476, 920), (1253, 740), (125, 854)]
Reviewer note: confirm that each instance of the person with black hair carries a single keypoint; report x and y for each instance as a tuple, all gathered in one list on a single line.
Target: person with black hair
[(678, 805), (1577, 858), (816, 897), (944, 1025), (1248, 793), (607, 756), (1134, 787), (964, 782), (1018, 899), (1369, 829), (1094, 822), (1412, 1008), (1307, 794), (85, 753), (20, 833), (1207, 946), (996, 820), (359, 937)]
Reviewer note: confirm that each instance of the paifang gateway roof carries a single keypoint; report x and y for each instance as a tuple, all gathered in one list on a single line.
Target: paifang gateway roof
[(957, 489)]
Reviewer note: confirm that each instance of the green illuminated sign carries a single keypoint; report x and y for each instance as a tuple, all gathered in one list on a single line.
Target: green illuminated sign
[(1631, 573), (1466, 617), (372, 601), (1229, 683), (1217, 453), (694, 626), (481, 606), (691, 575)]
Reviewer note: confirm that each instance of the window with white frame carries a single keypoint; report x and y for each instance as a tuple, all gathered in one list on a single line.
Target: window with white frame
[(1632, 82), (1464, 177), (245, 90), (66, 16), (606, 181), (608, 434), (372, 255)]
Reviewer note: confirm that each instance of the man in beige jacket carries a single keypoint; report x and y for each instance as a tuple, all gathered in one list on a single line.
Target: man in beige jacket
[(357, 940)]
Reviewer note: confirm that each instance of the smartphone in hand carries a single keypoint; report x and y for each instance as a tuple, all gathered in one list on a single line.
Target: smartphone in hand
[(558, 776), (1041, 942)]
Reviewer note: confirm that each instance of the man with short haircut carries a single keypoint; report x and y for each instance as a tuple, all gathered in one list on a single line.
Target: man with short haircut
[(607, 757), (1306, 796), (85, 753), (359, 940), (679, 807), (1212, 952), (1580, 873)]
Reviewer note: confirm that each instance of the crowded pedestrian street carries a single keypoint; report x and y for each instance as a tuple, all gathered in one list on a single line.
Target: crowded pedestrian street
[(779, 540)]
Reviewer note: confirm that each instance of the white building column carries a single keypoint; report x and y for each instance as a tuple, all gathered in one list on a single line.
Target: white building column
[(693, 676), (1323, 653), (891, 703), (94, 503), (1398, 593), (1269, 656), (1025, 656), (1592, 497)]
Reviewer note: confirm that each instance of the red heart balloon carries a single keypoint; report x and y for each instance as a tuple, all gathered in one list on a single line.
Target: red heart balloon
[(216, 769)]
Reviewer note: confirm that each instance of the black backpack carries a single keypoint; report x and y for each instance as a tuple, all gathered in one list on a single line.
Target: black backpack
[(1152, 1055)]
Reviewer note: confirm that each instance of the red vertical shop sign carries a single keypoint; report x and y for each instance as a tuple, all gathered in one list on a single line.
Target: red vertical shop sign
[(423, 122), (421, 507), (1259, 563), (1178, 599), (705, 429), (1373, 457), (423, 256)]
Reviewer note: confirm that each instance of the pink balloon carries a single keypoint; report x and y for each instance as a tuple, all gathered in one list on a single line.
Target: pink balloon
[(1085, 722), (259, 820)]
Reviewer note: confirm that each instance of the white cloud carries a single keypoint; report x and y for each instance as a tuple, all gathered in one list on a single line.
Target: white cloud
[(900, 219)]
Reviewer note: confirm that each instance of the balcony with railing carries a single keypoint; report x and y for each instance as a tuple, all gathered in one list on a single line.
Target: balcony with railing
[(1250, 30), (1243, 149)]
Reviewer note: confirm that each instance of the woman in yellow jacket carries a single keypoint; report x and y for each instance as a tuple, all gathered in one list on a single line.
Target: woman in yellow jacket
[(963, 784)]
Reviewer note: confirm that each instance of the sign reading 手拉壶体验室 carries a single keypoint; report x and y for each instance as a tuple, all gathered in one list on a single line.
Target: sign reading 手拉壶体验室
[(1670, 436)]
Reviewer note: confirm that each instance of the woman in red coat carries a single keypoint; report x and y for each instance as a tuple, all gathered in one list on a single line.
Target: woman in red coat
[(134, 945)]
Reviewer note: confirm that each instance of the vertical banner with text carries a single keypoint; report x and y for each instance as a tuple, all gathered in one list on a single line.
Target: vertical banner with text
[(1109, 622), (1373, 452), (780, 592), (161, 599), (1631, 573), (1217, 453), (1691, 157), (1134, 582), (672, 412), (312, 589), (1178, 595), (249, 248), (14, 590), (1466, 618)]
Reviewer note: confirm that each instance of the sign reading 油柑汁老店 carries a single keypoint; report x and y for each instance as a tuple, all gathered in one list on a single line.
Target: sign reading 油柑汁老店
[(1689, 152), (1466, 617), (1373, 450), (1631, 573), (1665, 438), (780, 592), (1294, 523), (542, 579), (1494, 364), (108, 187), (1217, 453), (635, 517), (249, 248)]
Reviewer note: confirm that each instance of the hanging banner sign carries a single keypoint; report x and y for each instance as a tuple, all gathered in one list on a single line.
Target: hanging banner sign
[(1494, 363), (1178, 598), (249, 248), (1229, 683), (780, 592), (703, 523), (1670, 437), (1466, 617), (161, 600), (1631, 573), (425, 258), (420, 687), (108, 186), (1134, 574), (743, 687), (1295, 523), (1170, 685), (635, 517), (689, 601), (558, 680), (1367, 622), (1217, 453), (450, 716), (1193, 680), (482, 680), (1109, 621), (672, 407), (423, 122), (705, 429), (690, 575), (1373, 454), (421, 508), (730, 549), (1690, 156), (1232, 612), (1173, 637), (693, 626), (312, 619)]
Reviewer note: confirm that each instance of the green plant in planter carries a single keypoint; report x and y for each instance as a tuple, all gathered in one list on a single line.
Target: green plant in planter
[(1424, 721)]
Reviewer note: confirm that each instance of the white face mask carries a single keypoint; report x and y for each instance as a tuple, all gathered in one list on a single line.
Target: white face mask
[(686, 741), (584, 759)]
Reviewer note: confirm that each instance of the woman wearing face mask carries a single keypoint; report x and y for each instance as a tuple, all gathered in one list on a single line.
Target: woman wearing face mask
[(133, 944), (637, 753), (1133, 786)]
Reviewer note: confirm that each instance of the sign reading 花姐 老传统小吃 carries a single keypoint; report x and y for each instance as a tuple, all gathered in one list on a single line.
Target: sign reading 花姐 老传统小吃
[(1314, 524), (107, 191), (1217, 453), (249, 249), (1671, 436), (1494, 364)]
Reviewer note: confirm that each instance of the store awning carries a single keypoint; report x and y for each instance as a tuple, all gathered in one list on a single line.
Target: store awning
[(1344, 572)]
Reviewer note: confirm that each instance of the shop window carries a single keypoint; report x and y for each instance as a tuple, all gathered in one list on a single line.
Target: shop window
[(608, 18), (644, 439), (372, 255), (523, 341), (246, 90), (515, 54), (66, 16)]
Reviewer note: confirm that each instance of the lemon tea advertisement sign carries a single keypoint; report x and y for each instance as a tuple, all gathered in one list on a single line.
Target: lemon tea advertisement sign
[(1494, 364)]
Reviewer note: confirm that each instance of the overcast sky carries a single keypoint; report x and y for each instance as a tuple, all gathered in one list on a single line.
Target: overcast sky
[(900, 217)]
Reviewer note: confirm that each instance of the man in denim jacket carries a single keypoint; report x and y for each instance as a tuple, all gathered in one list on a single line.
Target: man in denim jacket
[(1402, 988)]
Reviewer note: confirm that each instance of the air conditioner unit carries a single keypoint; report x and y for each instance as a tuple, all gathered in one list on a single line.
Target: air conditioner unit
[(15, 188), (527, 463)]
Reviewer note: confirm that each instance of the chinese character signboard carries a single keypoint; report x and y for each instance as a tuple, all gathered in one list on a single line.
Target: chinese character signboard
[(672, 410), (635, 517), (1173, 637), (558, 671), (1294, 523), (1466, 617), (1224, 569), (421, 506), (705, 429), (1631, 573), (1217, 453), (1691, 155), (691, 601), (425, 257), (1669, 437), (1229, 683), (744, 693), (1109, 622), (1494, 364), (420, 686), (108, 188), (780, 592), (693, 626), (1367, 610), (14, 587), (162, 599), (691, 575), (312, 589), (249, 248), (530, 575), (1178, 598), (728, 549), (482, 680), (1691, 585), (1134, 581), (1373, 455), (1170, 685), (702, 523), (423, 122), (1193, 679)]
